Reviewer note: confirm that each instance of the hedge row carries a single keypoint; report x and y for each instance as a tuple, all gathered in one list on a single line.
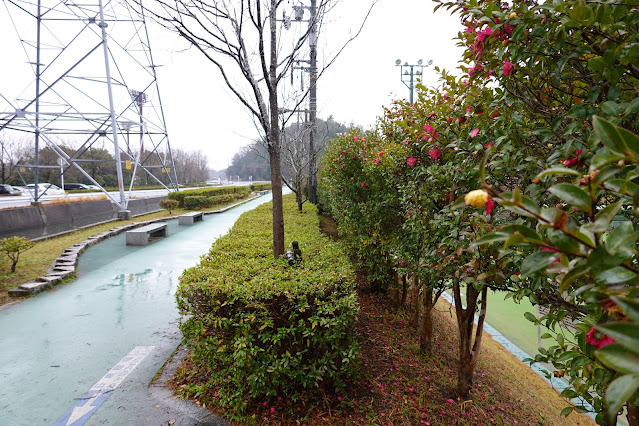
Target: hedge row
[(242, 191), (199, 202), (265, 186), (259, 328)]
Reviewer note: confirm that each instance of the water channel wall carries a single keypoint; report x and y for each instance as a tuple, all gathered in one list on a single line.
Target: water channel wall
[(46, 220)]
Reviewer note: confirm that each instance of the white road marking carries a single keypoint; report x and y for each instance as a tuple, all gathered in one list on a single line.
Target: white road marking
[(89, 403)]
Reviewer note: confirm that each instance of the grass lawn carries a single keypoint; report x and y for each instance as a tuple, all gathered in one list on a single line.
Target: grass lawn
[(34, 262)]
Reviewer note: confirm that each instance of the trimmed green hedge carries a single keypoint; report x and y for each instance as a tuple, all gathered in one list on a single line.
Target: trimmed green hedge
[(258, 328), (266, 186), (238, 191)]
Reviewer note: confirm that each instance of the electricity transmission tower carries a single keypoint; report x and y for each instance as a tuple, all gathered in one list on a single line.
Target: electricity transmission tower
[(89, 81)]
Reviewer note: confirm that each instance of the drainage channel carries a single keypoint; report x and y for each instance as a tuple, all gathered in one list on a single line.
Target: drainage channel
[(57, 346)]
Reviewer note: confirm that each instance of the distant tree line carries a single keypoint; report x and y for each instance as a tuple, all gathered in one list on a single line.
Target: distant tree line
[(191, 166), (252, 160)]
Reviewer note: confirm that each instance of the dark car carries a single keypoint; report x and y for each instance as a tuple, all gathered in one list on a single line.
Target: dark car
[(68, 186), (7, 190)]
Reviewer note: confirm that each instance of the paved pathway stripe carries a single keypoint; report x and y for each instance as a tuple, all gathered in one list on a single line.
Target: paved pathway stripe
[(91, 401)]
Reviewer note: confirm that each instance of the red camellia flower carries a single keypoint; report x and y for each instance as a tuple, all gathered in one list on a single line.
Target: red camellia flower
[(435, 153), (598, 343), (575, 160), (508, 68), (490, 205)]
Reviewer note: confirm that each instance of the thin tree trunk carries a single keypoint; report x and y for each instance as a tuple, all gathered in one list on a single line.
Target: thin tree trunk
[(404, 291), (415, 301), (426, 331), (274, 143), (468, 349)]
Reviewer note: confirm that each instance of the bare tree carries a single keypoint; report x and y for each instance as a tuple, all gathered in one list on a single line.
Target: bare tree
[(13, 150), (241, 38)]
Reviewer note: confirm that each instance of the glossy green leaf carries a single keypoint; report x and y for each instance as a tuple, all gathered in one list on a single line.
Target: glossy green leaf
[(572, 195), (558, 170), (619, 358), (600, 160), (629, 306), (617, 139), (621, 239), (513, 240), (605, 216), (616, 275), (493, 237), (619, 391), (538, 261)]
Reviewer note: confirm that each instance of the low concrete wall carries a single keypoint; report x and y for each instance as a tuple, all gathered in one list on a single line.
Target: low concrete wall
[(46, 220)]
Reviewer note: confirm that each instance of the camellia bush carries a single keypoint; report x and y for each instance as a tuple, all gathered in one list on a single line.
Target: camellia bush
[(259, 329), (519, 121), (12, 247)]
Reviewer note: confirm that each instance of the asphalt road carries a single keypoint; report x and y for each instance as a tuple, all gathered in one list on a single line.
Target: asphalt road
[(26, 200)]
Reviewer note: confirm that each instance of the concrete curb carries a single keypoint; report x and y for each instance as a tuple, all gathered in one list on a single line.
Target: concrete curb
[(65, 265)]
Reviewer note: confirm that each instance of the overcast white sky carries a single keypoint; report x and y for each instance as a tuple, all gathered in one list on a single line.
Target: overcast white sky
[(202, 114)]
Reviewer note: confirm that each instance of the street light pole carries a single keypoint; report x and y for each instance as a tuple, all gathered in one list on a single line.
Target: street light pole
[(312, 184), (408, 77)]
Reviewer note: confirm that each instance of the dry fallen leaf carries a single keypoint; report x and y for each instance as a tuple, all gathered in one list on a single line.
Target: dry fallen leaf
[(171, 422)]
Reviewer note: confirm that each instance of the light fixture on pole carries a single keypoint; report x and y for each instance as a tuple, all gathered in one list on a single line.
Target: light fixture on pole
[(408, 73)]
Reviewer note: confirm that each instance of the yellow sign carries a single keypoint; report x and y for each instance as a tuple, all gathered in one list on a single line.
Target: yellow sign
[(23, 169), (128, 164)]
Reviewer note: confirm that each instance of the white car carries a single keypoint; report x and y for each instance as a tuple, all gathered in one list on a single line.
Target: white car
[(50, 189)]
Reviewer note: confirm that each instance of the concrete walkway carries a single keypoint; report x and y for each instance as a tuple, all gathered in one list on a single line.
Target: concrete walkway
[(63, 348)]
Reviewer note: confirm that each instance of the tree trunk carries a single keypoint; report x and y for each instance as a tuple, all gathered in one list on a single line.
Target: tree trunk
[(404, 291), (633, 414), (415, 301), (468, 347), (298, 194), (274, 142), (426, 331)]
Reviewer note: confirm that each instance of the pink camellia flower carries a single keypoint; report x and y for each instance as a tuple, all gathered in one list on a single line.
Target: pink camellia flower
[(490, 205), (362, 184), (509, 29), (474, 133), (488, 31), (508, 68), (354, 138), (464, 82), (380, 153), (471, 72), (598, 343), (411, 161), (490, 72), (496, 113), (450, 401), (435, 153), (481, 36)]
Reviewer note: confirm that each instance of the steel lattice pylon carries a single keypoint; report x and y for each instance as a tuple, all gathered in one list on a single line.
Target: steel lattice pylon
[(93, 81)]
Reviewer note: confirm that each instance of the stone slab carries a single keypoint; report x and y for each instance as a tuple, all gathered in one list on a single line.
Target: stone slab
[(190, 218), (140, 236)]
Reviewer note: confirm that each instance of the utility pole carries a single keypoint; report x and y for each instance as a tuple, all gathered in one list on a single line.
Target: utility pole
[(312, 184)]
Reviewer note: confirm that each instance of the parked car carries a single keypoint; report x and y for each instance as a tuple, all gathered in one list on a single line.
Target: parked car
[(8, 190), (92, 187), (19, 189), (50, 189), (68, 186)]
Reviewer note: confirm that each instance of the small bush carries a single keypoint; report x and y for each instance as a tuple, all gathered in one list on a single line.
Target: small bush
[(258, 328), (169, 205), (12, 247)]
